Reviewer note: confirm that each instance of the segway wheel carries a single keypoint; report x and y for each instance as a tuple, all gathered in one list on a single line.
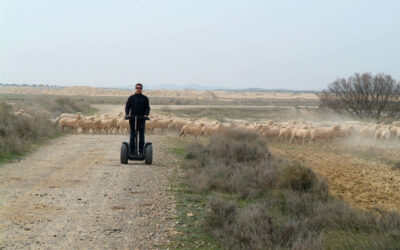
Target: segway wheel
[(124, 154), (148, 154)]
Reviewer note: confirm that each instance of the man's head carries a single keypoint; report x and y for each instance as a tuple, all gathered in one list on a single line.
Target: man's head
[(138, 88)]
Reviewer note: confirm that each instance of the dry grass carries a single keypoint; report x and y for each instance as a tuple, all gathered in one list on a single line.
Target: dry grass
[(17, 133), (258, 201), (237, 163)]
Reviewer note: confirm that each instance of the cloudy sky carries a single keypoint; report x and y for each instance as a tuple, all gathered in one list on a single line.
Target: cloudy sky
[(290, 44)]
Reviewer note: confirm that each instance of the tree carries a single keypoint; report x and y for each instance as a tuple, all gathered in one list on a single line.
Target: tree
[(364, 95)]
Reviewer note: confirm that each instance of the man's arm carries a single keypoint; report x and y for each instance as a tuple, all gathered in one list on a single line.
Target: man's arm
[(127, 106), (147, 106)]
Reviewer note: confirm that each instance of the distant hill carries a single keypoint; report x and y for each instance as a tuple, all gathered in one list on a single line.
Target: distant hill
[(193, 86), (185, 93), (278, 90)]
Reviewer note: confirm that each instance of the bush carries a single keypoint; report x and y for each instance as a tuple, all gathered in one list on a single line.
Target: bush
[(221, 213), (259, 227), (17, 133), (291, 220), (236, 162), (302, 179)]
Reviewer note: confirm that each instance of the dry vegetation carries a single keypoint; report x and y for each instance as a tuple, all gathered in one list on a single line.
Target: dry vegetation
[(25, 122), (18, 132), (259, 201)]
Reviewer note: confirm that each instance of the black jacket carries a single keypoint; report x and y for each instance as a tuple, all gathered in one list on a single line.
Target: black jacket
[(137, 104)]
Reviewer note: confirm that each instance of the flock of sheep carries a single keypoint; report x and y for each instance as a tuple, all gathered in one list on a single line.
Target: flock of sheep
[(288, 131), (295, 131)]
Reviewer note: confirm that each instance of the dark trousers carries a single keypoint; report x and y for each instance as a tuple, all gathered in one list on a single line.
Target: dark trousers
[(133, 136)]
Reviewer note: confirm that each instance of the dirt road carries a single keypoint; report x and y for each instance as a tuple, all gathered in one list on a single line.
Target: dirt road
[(74, 193)]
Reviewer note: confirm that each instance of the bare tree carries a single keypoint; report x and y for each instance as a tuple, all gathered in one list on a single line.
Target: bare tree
[(364, 95)]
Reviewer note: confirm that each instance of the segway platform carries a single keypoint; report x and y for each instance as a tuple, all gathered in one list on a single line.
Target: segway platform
[(147, 155)]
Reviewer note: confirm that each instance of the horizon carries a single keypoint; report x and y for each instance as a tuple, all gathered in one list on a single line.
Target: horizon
[(163, 87)]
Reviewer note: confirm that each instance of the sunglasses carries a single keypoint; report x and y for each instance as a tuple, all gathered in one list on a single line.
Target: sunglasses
[(138, 87)]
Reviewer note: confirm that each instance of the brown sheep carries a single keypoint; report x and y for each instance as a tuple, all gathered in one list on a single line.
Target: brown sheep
[(86, 125), (69, 123), (383, 133), (107, 125), (324, 133), (191, 129), (368, 131), (177, 124), (301, 133), (123, 125), (395, 130), (272, 132), (212, 130), (285, 133)]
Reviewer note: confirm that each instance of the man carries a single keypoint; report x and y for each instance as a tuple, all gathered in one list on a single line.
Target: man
[(137, 104)]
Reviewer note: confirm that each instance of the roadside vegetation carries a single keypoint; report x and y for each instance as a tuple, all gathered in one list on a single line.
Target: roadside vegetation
[(26, 123), (19, 132), (242, 197)]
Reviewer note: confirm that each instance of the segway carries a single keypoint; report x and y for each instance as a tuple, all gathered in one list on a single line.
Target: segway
[(135, 156)]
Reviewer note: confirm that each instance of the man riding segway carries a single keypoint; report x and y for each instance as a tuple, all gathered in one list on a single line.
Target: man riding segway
[(137, 110)]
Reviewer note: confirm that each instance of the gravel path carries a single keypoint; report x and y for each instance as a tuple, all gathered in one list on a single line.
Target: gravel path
[(74, 193)]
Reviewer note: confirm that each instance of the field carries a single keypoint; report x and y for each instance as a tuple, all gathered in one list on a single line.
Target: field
[(363, 172)]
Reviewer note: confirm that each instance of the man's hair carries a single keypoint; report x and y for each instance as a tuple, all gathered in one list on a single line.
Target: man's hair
[(138, 84)]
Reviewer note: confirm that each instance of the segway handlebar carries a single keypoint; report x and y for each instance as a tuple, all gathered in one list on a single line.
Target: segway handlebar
[(127, 117)]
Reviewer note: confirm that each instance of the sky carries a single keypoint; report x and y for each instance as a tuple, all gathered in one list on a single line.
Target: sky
[(271, 44)]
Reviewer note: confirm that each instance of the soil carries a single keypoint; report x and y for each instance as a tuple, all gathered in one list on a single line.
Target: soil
[(362, 176)]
